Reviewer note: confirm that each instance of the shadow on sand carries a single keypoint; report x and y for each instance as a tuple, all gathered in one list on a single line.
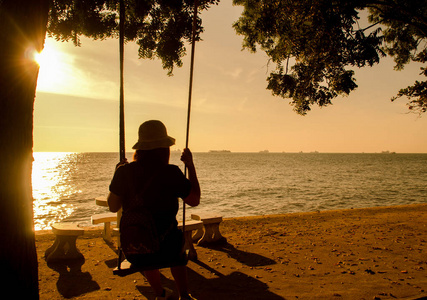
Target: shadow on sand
[(233, 286), (72, 281), (236, 285), (246, 258)]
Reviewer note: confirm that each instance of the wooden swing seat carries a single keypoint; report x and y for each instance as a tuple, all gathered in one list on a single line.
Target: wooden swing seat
[(125, 267)]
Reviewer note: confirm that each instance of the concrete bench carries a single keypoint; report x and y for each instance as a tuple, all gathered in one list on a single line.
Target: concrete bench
[(188, 245), (64, 247), (106, 218), (210, 232)]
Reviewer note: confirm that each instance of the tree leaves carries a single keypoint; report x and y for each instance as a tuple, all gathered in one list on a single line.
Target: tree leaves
[(159, 27), (324, 42)]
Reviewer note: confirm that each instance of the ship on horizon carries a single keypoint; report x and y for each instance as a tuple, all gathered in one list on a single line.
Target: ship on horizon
[(219, 151)]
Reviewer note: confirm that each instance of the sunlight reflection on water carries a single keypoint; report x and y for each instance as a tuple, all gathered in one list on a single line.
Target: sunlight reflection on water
[(49, 180)]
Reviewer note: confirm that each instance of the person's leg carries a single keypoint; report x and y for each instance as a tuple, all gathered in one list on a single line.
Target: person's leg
[(153, 277), (179, 274)]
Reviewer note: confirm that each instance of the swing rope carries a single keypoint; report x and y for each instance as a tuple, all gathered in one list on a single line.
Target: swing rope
[(190, 92), (122, 100), (121, 106)]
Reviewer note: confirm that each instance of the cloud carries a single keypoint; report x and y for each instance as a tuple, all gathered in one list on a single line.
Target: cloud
[(235, 74)]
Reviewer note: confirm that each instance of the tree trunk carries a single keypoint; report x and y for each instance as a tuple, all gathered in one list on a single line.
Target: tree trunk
[(22, 28)]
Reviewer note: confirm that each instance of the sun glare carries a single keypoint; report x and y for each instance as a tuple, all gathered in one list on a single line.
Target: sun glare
[(53, 68), (48, 58), (41, 58)]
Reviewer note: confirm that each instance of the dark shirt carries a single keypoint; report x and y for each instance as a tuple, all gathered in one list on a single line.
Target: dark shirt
[(161, 186)]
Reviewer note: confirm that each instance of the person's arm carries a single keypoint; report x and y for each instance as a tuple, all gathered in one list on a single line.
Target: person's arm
[(114, 202), (193, 199)]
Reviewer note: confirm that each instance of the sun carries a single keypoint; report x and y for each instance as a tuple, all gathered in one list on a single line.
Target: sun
[(53, 68), (43, 58), (49, 58)]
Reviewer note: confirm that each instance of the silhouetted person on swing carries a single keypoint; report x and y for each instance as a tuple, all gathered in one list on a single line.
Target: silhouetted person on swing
[(148, 190)]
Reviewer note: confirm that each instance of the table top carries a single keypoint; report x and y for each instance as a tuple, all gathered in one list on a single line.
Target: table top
[(70, 229), (101, 201)]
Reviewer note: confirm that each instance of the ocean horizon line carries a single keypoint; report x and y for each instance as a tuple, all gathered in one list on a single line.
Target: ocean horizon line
[(246, 152)]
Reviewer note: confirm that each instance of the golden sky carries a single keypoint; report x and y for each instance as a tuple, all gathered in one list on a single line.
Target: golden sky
[(76, 108)]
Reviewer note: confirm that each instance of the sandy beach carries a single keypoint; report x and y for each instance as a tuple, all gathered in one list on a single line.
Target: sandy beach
[(375, 253)]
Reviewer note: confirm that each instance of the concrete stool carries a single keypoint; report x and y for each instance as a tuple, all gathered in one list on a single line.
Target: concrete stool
[(188, 245), (211, 232), (64, 246), (106, 218)]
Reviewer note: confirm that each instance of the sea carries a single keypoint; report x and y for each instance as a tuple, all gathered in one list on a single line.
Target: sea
[(65, 185)]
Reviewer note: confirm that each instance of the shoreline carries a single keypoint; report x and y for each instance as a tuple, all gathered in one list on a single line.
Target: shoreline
[(98, 227), (335, 254)]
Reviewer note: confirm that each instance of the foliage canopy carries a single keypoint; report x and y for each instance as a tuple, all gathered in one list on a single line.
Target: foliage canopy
[(159, 27), (316, 43)]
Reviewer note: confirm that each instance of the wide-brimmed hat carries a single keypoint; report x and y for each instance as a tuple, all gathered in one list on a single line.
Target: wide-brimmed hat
[(151, 135)]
